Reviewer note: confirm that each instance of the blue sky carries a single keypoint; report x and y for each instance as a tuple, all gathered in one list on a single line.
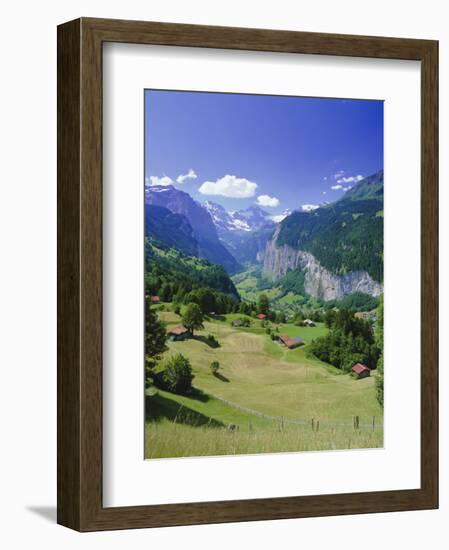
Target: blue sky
[(276, 151)]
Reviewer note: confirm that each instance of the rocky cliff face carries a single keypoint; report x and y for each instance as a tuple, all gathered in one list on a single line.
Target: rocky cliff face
[(319, 282)]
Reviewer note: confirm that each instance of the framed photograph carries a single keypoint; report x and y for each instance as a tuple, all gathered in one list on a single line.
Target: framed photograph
[(247, 288)]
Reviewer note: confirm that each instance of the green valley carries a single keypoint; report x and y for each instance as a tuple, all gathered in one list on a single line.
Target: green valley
[(264, 397), (253, 328)]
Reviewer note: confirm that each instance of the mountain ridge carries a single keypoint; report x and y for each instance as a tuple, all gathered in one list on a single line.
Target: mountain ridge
[(344, 236), (337, 248), (204, 231)]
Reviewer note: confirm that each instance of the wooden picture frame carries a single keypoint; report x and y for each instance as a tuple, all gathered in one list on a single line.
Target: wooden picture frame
[(80, 504)]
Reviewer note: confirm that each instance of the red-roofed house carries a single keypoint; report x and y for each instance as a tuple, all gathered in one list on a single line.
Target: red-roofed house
[(155, 299), (261, 316), (362, 371), (178, 333)]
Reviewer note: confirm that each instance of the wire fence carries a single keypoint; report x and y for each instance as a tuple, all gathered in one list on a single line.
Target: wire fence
[(314, 423)]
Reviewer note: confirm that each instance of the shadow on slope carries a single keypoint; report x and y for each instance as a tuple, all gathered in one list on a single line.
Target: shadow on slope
[(158, 407)]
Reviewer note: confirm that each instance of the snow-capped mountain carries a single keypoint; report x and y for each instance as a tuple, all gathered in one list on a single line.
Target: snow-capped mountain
[(277, 218), (204, 229), (251, 219)]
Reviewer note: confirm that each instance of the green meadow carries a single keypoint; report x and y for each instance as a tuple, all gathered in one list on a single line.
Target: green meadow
[(264, 398)]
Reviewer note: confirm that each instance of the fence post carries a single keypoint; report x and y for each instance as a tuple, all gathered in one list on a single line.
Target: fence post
[(313, 424), (374, 423), (317, 425)]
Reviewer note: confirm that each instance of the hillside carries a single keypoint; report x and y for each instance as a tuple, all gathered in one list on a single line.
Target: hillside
[(268, 393), (345, 236), (166, 265), (172, 230), (204, 231), (371, 187)]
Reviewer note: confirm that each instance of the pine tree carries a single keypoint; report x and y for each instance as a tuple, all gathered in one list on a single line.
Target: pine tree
[(263, 304), (155, 340), (380, 344)]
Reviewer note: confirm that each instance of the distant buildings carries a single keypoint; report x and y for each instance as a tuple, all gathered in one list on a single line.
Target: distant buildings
[(261, 316), (155, 299), (367, 315), (361, 371), (291, 342), (309, 323)]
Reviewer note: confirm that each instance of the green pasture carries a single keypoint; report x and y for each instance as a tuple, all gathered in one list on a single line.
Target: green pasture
[(257, 377)]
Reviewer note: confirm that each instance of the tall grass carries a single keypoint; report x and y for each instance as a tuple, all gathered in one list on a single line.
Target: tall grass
[(170, 439)]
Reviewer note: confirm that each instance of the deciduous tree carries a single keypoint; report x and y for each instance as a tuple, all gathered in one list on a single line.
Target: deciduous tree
[(193, 317)]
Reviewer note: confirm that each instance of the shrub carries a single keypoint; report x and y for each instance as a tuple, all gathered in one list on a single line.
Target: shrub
[(214, 367), (213, 342)]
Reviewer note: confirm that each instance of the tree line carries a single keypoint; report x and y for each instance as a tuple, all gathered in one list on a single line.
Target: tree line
[(345, 236), (349, 341)]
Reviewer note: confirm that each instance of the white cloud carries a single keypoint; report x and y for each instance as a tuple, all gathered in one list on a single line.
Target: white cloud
[(339, 174), (309, 207), (266, 200), (156, 180), (324, 192), (340, 187), (191, 175), (325, 178), (229, 186), (350, 179)]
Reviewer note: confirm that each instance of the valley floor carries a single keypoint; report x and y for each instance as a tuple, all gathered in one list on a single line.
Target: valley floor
[(265, 398)]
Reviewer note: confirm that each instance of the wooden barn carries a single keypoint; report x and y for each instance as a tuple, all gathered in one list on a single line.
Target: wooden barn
[(290, 343), (178, 333), (361, 371)]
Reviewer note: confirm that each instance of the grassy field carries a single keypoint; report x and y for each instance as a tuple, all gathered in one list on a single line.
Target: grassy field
[(263, 400)]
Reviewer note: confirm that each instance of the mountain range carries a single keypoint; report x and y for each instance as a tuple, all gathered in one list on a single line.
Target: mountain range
[(245, 233), (203, 228), (337, 248), (250, 219)]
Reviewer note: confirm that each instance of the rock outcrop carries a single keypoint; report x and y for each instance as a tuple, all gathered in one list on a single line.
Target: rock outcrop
[(319, 282)]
